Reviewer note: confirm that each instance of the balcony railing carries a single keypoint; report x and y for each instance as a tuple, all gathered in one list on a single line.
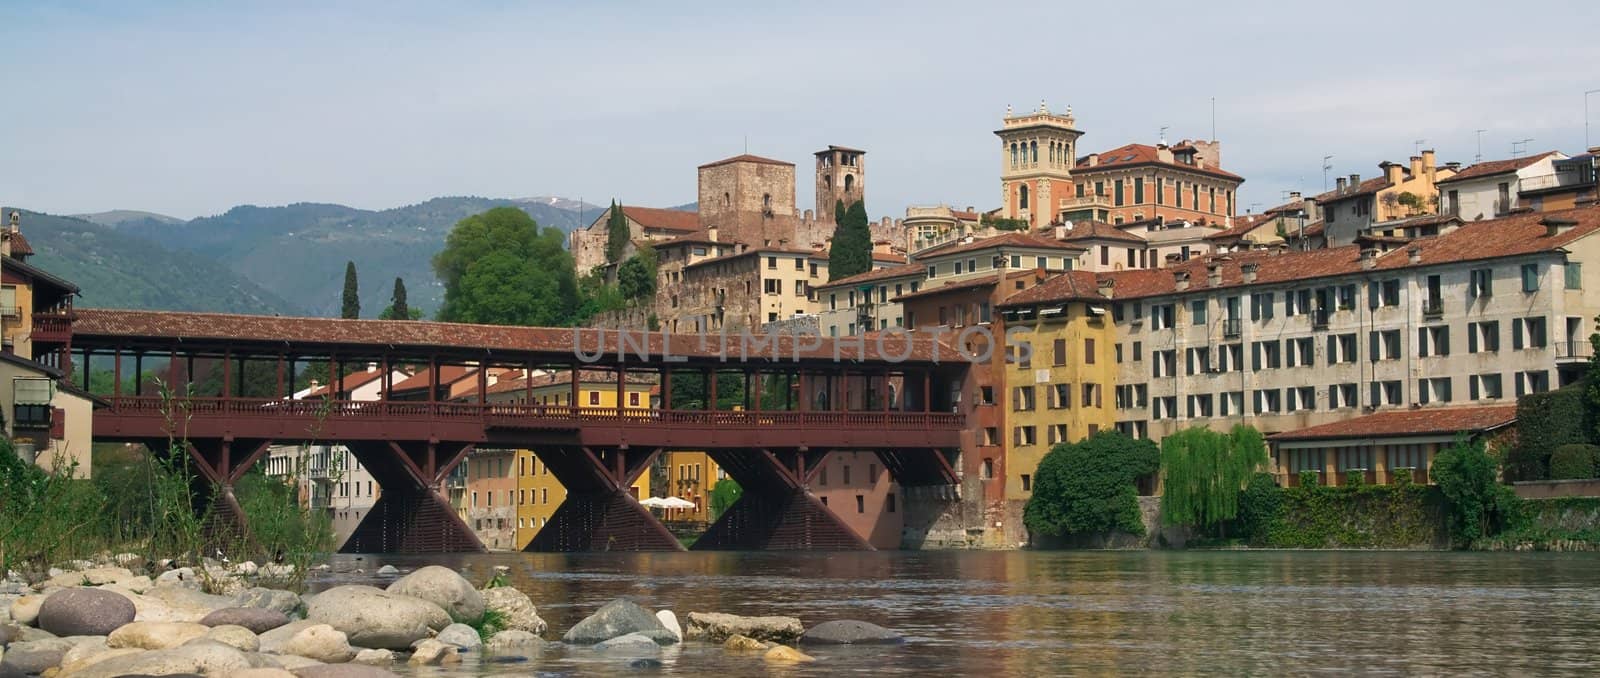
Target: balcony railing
[(1319, 318), (1232, 327), (1433, 308), (1086, 201), (52, 327), (1540, 182), (1574, 349)]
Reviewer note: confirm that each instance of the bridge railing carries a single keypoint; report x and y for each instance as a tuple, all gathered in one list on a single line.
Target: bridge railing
[(509, 415)]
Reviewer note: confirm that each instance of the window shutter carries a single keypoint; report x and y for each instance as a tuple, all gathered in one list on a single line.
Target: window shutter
[(1255, 308), (1422, 342), (1189, 357), (1444, 342), (1472, 340), (1060, 348), (1372, 295), (1538, 334), (1448, 382), (1372, 348), (1255, 357), (1472, 387), (1516, 333), (58, 424), (1422, 393)]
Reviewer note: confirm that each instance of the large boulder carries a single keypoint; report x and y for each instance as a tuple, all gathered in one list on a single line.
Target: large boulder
[(850, 632), (155, 635), (84, 612), (619, 617), (515, 643), (257, 619), (515, 608), (443, 587), (432, 652), (91, 577), (34, 656), (629, 645), (717, 627), (783, 654), (180, 603), (462, 636), (344, 671), (376, 618), (374, 657), (236, 637), (272, 599), (274, 639), (207, 658), (25, 609), (670, 620), (320, 642), (91, 652)]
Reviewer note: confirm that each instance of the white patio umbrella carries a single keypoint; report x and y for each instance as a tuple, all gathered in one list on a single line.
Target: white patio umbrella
[(677, 503), (654, 502)]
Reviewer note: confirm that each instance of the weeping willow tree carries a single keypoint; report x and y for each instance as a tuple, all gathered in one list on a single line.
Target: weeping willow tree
[(1202, 472)]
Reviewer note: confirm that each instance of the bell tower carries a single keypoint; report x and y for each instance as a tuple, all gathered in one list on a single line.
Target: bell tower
[(1037, 152), (841, 176)]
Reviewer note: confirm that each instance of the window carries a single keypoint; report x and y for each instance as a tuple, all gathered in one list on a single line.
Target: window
[(1302, 398), (1407, 457), (1088, 351), (861, 504), (1230, 357), (772, 286), (1200, 405), (1483, 336), (1164, 363), (1433, 390), (1268, 401), (985, 395), (1023, 436), (1058, 352), (1198, 360), (1530, 278), (1266, 355), (1347, 297), (1341, 348), (1301, 352), (1057, 433), (1355, 459), (1384, 345), (1480, 283), (1091, 395), (972, 265), (1117, 189), (1536, 381), (800, 288), (1232, 403), (991, 437), (1022, 399), (772, 262), (1138, 351), (1161, 316), (1261, 306), (1197, 311), (1574, 275), (889, 504), (847, 474), (1165, 408), (1433, 340), (1527, 333), (1383, 293), (799, 264), (633, 399), (933, 270), (594, 397), (1385, 393), (1118, 348), (1484, 387), (1296, 302), (1341, 396), (1060, 396)]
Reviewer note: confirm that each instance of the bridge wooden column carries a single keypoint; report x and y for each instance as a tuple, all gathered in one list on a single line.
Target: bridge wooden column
[(775, 511), (413, 514), (218, 465), (600, 513)]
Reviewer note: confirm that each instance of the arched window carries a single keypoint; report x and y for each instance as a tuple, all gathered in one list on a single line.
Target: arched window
[(849, 182), (1022, 197), (1035, 147), (1013, 156), (727, 199), (766, 201), (827, 182)]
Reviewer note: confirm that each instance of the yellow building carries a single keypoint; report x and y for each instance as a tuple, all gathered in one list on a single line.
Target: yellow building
[(538, 492), (1058, 387), (690, 475)]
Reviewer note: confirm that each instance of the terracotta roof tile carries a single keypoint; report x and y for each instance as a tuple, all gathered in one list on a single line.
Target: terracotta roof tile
[(19, 245), (448, 374), (1133, 155), (1098, 230), (664, 219), (746, 157), (874, 275), (958, 286), (1422, 421), (1011, 239), (1493, 167), (349, 382), (1241, 226), (1367, 187), (1068, 286)]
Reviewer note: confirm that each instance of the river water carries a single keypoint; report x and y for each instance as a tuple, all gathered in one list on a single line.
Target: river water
[(1055, 613)]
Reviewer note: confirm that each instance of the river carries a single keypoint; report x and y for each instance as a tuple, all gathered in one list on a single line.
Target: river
[(1053, 613)]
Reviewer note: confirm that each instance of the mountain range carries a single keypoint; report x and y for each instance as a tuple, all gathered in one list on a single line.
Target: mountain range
[(286, 259)]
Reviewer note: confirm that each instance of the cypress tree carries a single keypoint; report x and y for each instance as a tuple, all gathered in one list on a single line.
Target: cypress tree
[(352, 300), (617, 233), (397, 303), (850, 253)]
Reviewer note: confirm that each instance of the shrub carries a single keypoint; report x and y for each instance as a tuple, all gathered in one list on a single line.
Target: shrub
[(1476, 501), (1259, 506), (1087, 487), (1203, 472), (1546, 421), (1575, 461)]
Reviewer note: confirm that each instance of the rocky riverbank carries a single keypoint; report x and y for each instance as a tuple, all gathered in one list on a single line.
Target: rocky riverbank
[(120, 616)]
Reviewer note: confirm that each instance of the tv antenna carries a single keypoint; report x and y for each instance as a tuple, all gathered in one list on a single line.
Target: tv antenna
[(1327, 166), (1164, 129), (1523, 143), (1416, 146)]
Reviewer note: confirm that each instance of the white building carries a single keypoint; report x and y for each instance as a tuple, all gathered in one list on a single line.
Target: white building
[(1493, 189)]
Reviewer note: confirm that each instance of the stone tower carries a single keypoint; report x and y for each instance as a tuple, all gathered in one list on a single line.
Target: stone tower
[(1037, 152), (841, 175)]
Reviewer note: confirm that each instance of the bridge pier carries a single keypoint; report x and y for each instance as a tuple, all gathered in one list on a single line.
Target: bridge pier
[(412, 515), (218, 465), (776, 512), (600, 513)]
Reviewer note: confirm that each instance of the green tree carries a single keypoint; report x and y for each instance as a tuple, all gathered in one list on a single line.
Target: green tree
[(398, 308), (636, 277), (1575, 461), (1465, 474), (351, 307), (500, 267), (1087, 487), (617, 233), (723, 495), (850, 253), (1202, 472), (689, 391)]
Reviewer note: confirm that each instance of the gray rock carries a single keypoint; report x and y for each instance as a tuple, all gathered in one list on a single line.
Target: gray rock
[(257, 619), (630, 645), (206, 658), (34, 656), (237, 637), (320, 642), (515, 643), (850, 632), (374, 657), (619, 617), (431, 652), (670, 620), (344, 671), (462, 636), (271, 599), (443, 587), (84, 612), (516, 608), (388, 571), (274, 639), (183, 576), (25, 609), (375, 618), (716, 627)]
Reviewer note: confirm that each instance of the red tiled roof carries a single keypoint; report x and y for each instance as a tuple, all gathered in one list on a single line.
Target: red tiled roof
[(664, 219), (874, 275), (448, 374), (459, 341), (1068, 286), (958, 286), (696, 238), (1011, 239), (1133, 155), (1504, 237), (1493, 167), (746, 157), (965, 215), (753, 251), (349, 382), (19, 245), (1395, 423), (514, 384), (1241, 226), (888, 258), (1367, 187), (1099, 230)]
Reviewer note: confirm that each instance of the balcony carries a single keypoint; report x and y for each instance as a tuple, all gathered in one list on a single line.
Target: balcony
[(1232, 328), (1432, 307), (1083, 201), (52, 328), (1573, 350), (10, 312), (1319, 319)]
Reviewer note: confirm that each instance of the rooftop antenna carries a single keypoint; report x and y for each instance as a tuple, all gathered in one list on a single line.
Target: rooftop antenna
[(1479, 156), (1416, 146), (1523, 143), (1251, 208), (1327, 166), (747, 144), (1164, 135), (1213, 118), (1586, 141)]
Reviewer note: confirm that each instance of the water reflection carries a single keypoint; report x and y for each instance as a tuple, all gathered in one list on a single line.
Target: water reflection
[(1093, 612)]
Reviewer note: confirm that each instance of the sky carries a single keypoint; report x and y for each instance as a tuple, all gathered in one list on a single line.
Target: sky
[(187, 109)]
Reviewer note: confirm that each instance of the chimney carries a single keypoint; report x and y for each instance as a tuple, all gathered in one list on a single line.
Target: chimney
[(1414, 252), (1107, 286), (1416, 166), (969, 208), (1180, 280), (1338, 185), (1453, 166), (1061, 232), (1249, 271), (1094, 159), (11, 230), (1369, 258), (1294, 196), (1554, 226), (1427, 159), (372, 367), (1393, 172), (1355, 180), (1214, 274)]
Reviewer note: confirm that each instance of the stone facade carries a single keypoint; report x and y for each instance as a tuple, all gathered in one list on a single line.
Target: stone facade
[(841, 177)]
